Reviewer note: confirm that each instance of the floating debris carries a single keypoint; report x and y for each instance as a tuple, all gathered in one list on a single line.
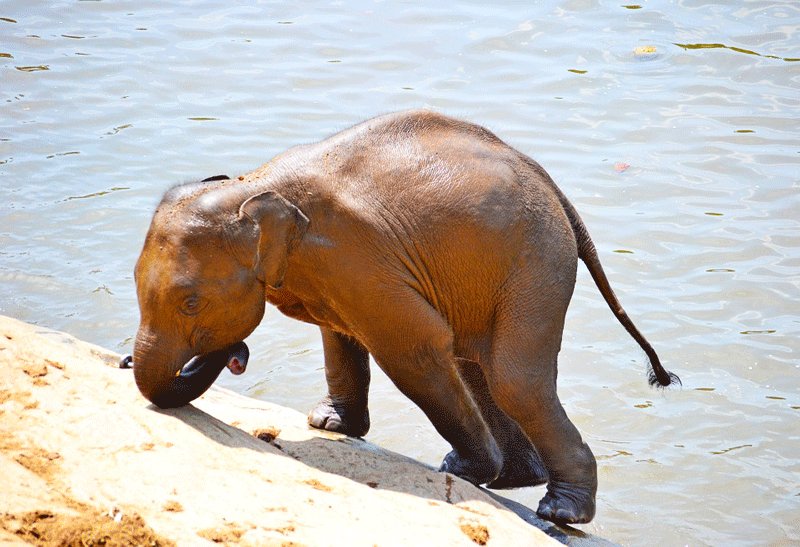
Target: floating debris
[(645, 52)]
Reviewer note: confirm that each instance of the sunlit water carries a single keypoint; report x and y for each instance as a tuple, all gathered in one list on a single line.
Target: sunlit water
[(683, 157)]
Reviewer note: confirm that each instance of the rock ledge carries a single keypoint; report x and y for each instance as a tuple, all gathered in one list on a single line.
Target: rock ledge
[(84, 458)]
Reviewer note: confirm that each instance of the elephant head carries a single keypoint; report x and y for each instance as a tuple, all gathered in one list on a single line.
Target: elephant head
[(211, 251)]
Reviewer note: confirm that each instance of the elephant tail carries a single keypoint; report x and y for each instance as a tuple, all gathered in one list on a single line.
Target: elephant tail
[(587, 252)]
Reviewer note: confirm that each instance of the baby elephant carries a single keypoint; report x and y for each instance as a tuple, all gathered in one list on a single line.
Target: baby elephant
[(424, 241)]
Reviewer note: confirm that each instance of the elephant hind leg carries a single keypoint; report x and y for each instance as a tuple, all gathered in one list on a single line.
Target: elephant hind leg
[(521, 375), (416, 353), (522, 465)]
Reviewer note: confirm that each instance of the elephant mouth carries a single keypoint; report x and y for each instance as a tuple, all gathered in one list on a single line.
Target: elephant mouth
[(238, 355), (234, 356), (191, 380)]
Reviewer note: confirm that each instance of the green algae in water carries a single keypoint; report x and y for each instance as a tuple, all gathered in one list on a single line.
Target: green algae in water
[(34, 68), (71, 153), (616, 454), (736, 49), (731, 449), (98, 194), (119, 128)]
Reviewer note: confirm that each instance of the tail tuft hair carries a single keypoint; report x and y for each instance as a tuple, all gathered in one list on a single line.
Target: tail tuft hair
[(662, 378)]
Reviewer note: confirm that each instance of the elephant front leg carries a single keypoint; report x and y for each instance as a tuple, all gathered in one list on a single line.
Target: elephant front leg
[(344, 409)]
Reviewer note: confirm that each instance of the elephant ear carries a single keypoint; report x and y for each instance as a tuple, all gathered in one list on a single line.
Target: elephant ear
[(281, 226)]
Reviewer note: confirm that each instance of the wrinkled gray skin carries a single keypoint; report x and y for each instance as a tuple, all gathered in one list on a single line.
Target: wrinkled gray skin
[(423, 241)]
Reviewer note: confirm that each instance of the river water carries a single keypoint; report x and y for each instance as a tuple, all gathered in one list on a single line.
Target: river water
[(674, 127)]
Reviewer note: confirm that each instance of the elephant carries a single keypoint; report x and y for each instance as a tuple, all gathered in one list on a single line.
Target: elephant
[(419, 239)]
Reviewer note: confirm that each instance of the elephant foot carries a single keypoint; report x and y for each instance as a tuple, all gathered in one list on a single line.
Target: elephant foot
[(567, 504), (337, 417), (521, 470), (475, 470)]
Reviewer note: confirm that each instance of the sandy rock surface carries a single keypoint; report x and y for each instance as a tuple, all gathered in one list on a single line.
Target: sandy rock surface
[(84, 458)]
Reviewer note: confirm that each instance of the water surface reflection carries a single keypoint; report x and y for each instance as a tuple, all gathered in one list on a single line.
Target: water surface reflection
[(672, 128)]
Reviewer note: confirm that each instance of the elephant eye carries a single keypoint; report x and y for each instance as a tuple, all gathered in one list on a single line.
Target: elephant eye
[(191, 305)]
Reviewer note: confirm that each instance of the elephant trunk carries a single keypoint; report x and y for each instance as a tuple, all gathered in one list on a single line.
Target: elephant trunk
[(170, 381)]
